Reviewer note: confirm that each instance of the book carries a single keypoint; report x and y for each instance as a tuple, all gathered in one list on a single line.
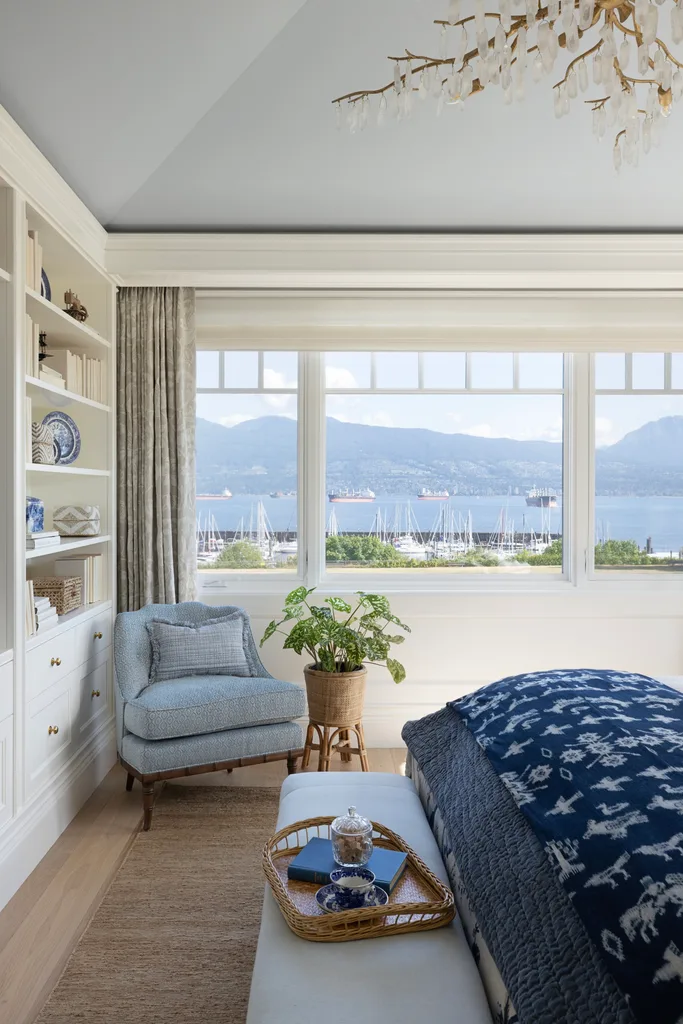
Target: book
[(55, 379), (38, 534), (315, 862), (38, 543)]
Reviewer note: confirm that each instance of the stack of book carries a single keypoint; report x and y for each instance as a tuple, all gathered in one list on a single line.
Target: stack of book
[(42, 539), (40, 614), (34, 260), (46, 614), (82, 374), (89, 568), (316, 861), (51, 376)]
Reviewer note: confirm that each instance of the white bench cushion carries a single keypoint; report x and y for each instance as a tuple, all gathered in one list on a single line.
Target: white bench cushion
[(403, 979)]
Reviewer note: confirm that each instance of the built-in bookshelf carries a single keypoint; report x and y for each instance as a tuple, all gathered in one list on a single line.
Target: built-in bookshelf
[(46, 658)]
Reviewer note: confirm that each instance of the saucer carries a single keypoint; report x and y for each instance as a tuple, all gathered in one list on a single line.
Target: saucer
[(332, 900)]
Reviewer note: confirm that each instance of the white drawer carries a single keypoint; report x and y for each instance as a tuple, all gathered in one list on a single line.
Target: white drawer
[(93, 636), (6, 690), (48, 733), (6, 771), (50, 662), (94, 698)]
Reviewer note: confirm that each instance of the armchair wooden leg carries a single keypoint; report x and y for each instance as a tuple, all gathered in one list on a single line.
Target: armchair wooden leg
[(229, 771), (129, 782), (291, 765), (147, 804)]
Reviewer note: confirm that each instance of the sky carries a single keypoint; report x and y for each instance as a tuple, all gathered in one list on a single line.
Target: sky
[(524, 417)]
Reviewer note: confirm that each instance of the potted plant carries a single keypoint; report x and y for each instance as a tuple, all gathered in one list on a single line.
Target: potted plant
[(340, 640)]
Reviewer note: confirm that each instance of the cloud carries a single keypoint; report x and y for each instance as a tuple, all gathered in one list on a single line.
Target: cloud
[(286, 404), (480, 430), (604, 432), (337, 377), (234, 418)]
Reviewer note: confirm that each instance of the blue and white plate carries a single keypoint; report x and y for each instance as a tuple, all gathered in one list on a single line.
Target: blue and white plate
[(67, 437), (333, 900)]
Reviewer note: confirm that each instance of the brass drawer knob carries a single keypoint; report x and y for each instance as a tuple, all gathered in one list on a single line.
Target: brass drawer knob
[(97, 636), (95, 693), (52, 730), (55, 661)]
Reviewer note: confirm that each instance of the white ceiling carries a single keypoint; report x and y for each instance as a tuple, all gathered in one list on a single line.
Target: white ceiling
[(216, 115)]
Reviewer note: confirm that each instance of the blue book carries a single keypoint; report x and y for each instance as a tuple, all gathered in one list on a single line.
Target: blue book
[(315, 862)]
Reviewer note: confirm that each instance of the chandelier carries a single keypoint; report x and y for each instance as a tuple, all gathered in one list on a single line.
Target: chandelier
[(629, 73)]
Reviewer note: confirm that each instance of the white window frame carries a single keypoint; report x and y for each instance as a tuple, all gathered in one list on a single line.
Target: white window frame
[(614, 578), (311, 569)]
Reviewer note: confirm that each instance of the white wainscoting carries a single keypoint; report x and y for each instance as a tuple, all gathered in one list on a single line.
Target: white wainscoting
[(462, 641)]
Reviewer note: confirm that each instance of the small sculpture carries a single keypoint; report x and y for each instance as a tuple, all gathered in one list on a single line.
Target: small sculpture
[(74, 307)]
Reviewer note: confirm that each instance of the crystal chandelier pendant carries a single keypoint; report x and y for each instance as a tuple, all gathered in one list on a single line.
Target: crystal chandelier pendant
[(614, 48)]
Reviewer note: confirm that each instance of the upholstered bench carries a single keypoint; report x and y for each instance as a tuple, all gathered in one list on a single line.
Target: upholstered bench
[(403, 979)]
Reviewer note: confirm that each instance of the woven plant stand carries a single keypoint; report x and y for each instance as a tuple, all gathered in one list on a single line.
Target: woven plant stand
[(335, 710)]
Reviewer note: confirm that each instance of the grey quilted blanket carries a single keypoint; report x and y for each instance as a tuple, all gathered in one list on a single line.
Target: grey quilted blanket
[(545, 957)]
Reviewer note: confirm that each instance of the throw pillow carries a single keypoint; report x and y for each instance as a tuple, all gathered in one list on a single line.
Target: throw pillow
[(210, 648)]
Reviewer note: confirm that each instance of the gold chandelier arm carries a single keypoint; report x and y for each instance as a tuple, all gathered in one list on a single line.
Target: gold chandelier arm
[(577, 60), (668, 53)]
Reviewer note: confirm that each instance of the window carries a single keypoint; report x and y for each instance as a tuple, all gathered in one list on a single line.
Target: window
[(247, 462), (638, 462), (447, 462)]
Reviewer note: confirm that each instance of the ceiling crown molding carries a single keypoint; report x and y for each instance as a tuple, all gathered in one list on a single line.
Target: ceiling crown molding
[(24, 168), (425, 261)]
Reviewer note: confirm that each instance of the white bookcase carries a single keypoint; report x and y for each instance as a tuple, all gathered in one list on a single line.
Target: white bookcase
[(56, 695)]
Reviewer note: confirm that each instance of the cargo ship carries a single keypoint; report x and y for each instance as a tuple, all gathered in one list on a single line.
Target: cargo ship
[(356, 496), (225, 496), (541, 497), (426, 495)]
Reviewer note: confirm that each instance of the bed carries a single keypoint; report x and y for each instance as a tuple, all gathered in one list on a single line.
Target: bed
[(572, 904)]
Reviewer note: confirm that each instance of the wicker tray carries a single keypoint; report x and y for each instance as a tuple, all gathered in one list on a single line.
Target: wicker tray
[(419, 902)]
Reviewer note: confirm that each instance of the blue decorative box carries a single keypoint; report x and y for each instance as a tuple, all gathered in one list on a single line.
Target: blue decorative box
[(35, 515)]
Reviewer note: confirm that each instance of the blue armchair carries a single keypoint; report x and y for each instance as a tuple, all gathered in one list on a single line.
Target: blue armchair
[(199, 723)]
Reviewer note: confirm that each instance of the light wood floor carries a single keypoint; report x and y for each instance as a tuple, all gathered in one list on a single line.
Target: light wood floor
[(43, 922)]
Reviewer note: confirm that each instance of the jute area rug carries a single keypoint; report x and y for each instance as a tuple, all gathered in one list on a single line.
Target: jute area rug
[(173, 941)]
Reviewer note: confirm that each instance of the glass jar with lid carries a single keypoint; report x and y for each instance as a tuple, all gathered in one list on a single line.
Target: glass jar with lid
[(351, 836)]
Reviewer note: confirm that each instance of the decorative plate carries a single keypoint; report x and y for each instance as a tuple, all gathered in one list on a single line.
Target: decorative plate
[(45, 289), (67, 437), (332, 900)]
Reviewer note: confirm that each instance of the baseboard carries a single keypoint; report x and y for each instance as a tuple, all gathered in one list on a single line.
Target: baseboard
[(39, 825)]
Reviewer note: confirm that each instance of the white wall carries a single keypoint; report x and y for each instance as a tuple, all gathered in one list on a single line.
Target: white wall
[(460, 642)]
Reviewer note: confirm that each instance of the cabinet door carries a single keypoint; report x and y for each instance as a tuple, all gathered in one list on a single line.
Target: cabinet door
[(6, 770), (94, 697), (48, 732)]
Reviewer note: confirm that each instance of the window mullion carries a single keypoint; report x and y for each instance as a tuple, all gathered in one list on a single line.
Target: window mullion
[(312, 463), (580, 439)]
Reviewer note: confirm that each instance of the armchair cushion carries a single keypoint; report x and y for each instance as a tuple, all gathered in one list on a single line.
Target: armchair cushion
[(214, 647), (210, 704)]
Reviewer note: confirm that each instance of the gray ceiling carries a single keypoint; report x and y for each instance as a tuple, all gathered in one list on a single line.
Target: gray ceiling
[(215, 115)]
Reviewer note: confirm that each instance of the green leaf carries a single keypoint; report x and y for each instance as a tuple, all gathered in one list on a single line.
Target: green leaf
[(339, 604), (396, 669), (269, 630), (397, 622), (398, 639), (380, 605), (326, 659), (298, 595)]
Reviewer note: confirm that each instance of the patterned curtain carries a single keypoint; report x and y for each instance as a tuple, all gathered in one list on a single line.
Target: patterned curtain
[(156, 446)]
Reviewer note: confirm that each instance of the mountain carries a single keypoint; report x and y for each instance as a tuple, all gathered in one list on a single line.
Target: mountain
[(259, 455)]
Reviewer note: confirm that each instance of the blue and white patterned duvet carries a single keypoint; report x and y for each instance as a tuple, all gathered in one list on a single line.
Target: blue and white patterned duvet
[(594, 760)]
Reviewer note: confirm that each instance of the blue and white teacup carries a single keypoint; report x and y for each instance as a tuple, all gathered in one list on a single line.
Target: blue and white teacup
[(353, 885)]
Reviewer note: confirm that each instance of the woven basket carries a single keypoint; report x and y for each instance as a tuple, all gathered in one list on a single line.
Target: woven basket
[(64, 592), (335, 698), (420, 901)]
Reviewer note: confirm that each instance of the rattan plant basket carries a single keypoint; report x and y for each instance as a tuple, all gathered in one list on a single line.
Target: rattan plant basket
[(420, 901), (335, 698)]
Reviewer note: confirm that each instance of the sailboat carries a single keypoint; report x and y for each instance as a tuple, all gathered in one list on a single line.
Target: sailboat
[(405, 529)]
